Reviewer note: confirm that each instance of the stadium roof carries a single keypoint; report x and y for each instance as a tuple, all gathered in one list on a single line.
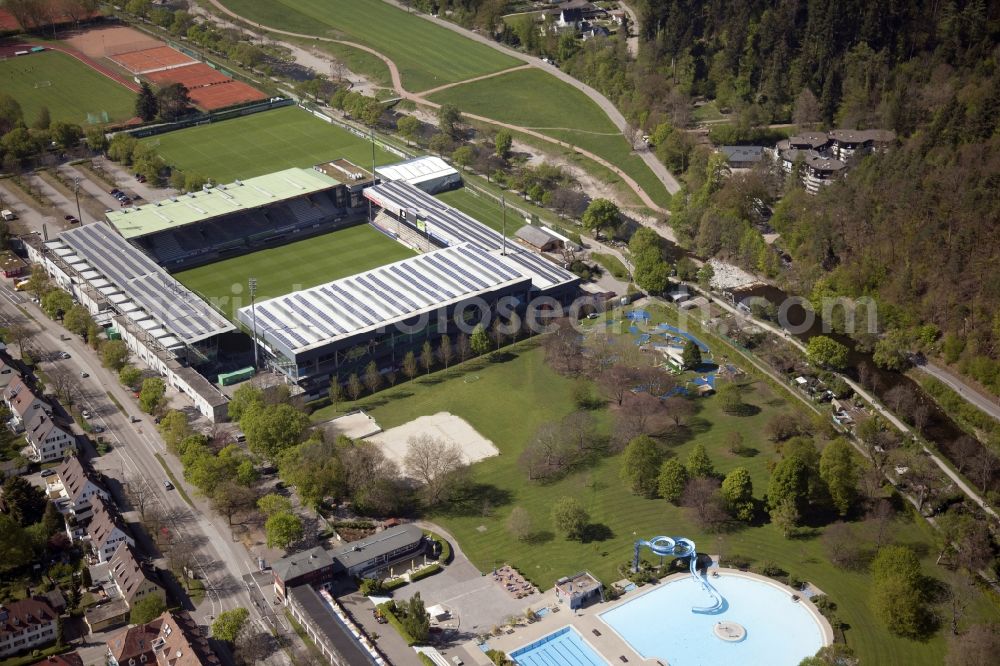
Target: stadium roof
[(449, 226), (138, 287), (218, 200), (416, 170), (381, 297)]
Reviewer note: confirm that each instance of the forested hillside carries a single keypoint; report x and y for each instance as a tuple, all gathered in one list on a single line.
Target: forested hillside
[(917, 229)]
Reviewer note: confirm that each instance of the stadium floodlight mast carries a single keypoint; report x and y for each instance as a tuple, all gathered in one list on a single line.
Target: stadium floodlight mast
[(252, 283), (76, 193), (503, 208)]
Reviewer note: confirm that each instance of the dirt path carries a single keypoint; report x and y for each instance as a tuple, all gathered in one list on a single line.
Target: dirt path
[(657, 167), (431, 91), (397, 84)]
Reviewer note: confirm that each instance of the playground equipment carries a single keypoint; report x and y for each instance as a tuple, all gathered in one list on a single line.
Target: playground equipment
[(680, 547)]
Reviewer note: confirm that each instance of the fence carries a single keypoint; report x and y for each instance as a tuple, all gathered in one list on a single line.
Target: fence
[(398, 152), (203, 118)]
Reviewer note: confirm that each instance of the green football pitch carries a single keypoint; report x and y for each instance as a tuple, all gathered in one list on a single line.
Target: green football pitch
[(300, 265), (262, 143), (66, 86), (427, 55)]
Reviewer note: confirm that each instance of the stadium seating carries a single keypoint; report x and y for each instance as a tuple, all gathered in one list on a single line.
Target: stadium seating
[(244, 230)]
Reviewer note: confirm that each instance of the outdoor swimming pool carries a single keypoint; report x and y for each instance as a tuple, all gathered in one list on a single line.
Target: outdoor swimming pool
[(563, 648), (660, 625)]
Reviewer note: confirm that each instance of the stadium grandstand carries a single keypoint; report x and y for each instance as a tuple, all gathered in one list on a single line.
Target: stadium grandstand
[(162, 322), (223, 221), (412, 216), (314, 333), (338, 328)]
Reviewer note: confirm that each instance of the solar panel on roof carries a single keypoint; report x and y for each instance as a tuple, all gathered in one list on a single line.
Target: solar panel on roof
[(447, 271), (399, 295), (406, 272), (386, 295), (336, 298), (361, 304), (319, 313)]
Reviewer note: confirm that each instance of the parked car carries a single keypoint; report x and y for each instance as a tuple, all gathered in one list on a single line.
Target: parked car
[(85, 413), (83, 375), (97, 428), (139, 177), (70, 218), (115, 191), (64, 355), (134, 419), (168, 485), (48, 472)]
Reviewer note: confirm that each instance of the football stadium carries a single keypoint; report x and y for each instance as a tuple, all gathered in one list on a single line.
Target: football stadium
[(429, 270)]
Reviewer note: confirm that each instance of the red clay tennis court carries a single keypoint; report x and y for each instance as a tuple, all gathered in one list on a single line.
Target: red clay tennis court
[(221, 95), (190, 76), (150, 60)]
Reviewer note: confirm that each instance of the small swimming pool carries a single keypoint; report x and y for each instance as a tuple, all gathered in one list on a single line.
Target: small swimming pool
[(565, 647), (660, 625)]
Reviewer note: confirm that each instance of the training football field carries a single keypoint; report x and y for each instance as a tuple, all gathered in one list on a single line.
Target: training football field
[(294, 266), (69, 88), (262, 143)]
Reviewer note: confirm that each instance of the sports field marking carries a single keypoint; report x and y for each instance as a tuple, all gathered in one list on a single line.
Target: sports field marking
[(262, 143), (291, 267), (427, 56), (68, 87)]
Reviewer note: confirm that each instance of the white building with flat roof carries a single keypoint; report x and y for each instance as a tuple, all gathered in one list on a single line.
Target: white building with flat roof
[(431, 174)]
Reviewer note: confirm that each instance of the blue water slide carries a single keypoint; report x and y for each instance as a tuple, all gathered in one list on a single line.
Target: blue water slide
[(665, 546)]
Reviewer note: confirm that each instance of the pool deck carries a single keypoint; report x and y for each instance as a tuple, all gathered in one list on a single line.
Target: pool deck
[(609, 644)]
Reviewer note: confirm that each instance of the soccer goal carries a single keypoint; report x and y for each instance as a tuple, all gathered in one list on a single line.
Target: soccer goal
[(43, 84)]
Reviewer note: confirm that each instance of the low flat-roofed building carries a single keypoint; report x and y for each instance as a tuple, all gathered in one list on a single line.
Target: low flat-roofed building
[(12, 265), (579, 589), (430, 174), (304, 568), (107, 615), (378, 552), (325, 629)]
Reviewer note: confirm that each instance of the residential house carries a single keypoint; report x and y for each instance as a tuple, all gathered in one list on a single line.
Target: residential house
[(591, 31), (742, 157), (23, 403), (65, 659), (824, 156), (107, 530), (26, 624), (7, 374), (73, 487), (134, 580), (123, 580), (48, 440), (173, 639), (134, 644)]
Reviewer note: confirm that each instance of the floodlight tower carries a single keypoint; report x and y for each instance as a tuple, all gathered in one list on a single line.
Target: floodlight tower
[(253, 316)]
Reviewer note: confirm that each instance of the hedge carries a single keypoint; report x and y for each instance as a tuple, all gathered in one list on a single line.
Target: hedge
[(386, 610), (429, 570), (445, 555), (390, 585)]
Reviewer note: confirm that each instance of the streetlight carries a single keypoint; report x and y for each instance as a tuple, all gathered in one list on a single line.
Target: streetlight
[(253, 315), (76, 193)]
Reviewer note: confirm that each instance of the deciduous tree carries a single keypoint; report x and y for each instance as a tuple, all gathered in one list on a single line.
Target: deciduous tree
[(569, 518), (737, 491), (438, 465), (283, 529), (672, 480), (641, 466)]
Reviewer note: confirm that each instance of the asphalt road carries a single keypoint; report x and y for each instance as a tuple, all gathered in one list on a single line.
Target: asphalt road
[(221, 563), (982, 402)]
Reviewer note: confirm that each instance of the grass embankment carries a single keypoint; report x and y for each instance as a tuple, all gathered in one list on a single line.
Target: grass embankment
[(611, 264)]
